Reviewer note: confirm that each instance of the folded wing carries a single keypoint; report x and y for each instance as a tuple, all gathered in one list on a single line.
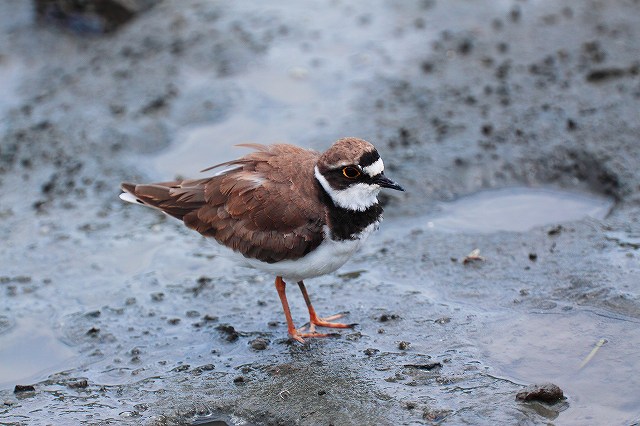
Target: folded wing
[(260, 206)]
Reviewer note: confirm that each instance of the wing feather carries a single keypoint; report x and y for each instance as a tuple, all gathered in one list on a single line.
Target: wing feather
[(265, 206)]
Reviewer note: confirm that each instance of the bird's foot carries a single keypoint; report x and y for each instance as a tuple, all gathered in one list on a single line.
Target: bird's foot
[(315, 321)]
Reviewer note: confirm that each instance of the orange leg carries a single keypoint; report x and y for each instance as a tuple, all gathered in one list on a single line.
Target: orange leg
[(291, 329), (314, 320)]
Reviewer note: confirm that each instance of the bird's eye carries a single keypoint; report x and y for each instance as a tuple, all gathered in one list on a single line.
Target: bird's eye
[(350, 172)]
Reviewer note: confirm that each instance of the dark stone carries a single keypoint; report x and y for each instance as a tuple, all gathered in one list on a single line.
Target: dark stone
[(388, 317), (403, 346), (231, 334), (427, 366), (157, 297), (80, 384), (201, 369), (555, 230), (546, 392), (23, 388), (603, 74), (93, 331), (90, 16), (259, 344)]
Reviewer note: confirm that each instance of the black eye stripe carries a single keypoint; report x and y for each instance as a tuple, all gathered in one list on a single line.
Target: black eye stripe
[(338, 181), (368, 158)]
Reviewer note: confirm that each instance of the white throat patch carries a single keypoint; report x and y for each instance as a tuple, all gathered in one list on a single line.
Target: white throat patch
[(358, 197)]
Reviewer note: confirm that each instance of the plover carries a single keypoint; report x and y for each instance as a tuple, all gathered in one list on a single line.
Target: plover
[(289, 211)]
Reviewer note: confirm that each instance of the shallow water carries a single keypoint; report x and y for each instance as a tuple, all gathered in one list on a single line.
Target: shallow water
[(30, 351), (554, 346), (518, 209)]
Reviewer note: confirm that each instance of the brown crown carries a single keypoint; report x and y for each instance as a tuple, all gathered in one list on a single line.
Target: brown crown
[(345, 151)]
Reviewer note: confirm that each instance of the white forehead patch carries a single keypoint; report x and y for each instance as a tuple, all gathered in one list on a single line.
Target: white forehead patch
[(358, 197), (375, 168)]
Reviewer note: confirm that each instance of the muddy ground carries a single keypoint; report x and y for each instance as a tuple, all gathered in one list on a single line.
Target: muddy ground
[(117, 315)]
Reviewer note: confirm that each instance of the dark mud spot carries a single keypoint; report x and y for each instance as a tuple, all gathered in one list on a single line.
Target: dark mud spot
[(435, 415), (23, 388), (157, 297), (426, 366), (78, 384), (203, 368), (546, 392), (93, 331), (229, 332), (371, 351), (97, 16), (556, 230), (388, 317), (605, 74)]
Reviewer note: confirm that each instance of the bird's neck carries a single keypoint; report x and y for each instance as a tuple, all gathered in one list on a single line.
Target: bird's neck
[(348, 224)]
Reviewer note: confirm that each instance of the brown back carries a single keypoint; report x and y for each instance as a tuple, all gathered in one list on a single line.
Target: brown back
[(267, 207)]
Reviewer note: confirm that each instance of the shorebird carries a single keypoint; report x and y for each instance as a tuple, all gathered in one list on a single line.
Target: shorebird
[(285, 210)]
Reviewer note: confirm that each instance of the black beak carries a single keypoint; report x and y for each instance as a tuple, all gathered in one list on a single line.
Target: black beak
[(385, 182)]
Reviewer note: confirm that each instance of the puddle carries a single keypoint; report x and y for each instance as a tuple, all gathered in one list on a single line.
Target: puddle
[(30, 352), (518, 210), (199, 147), (537, 348)]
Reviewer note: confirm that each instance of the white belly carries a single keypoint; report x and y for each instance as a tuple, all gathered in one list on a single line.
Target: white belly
[(326, 258)]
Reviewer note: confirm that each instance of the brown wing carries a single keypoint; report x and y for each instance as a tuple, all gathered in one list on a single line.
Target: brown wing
[(265, 206)]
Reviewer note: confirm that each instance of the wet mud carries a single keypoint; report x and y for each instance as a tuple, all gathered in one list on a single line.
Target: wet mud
[(511, 260)]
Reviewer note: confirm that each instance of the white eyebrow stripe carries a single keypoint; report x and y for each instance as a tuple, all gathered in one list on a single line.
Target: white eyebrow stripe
[(375, 168)]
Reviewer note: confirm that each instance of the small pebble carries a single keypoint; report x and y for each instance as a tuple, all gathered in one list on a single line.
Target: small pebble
[(545, 392), (259, 344), (371, 351), (80, 384), (23, 388), (93, 331), (388, 317)]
